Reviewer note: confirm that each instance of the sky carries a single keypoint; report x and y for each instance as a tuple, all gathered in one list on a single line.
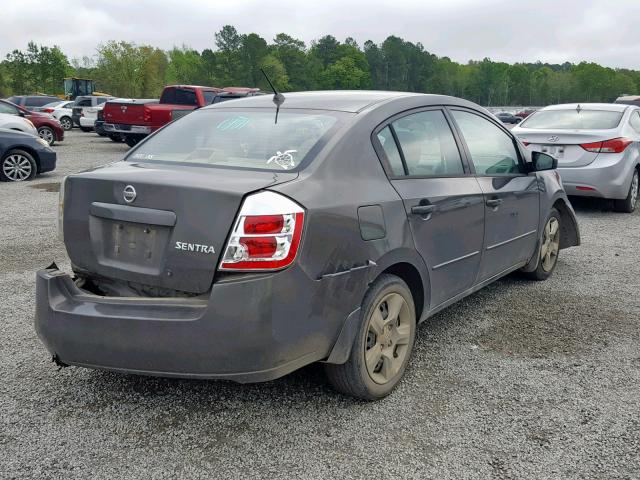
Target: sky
[(554, 31)]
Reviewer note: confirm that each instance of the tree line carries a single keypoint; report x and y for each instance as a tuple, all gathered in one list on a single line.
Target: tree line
[(125, 69)]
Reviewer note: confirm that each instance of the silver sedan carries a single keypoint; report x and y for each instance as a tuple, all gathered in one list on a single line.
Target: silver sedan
[(597, 147)]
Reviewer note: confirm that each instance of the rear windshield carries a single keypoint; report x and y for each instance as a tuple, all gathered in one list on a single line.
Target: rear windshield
[(241, 138), (573, 119)]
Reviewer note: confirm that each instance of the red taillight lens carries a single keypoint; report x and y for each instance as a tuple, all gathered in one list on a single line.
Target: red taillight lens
[(615, 145), (263, 238), (47, 110), (259, 224), (146, 115)]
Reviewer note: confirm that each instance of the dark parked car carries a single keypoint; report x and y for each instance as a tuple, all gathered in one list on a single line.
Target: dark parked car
[(228, 245), (33, 102), (48, 127), (508, 118), (23, 156)]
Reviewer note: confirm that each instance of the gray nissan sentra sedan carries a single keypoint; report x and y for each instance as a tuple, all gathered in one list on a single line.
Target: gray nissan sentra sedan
[(230, 245)]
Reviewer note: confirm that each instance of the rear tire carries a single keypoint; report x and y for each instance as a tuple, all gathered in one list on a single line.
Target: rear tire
[(132, 140), (116, 138), (383, 344), (17, 166), (548, 253), (86, 129), (628, 205)]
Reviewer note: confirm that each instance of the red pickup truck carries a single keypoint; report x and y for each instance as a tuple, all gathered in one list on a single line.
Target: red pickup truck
[(135, 119)]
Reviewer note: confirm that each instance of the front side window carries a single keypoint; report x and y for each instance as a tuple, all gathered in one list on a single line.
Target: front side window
[(385, 137), (428, 145), (492, 151), (240, 138), (573, 119)]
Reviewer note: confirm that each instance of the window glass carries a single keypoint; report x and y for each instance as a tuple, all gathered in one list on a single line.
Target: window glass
[(37, 101), (240, 138), (428, 145), (209, 97), (385, 137), (635, 121), (178, 96), (492, 151), (573, 119), (85, 102), (102, 100), (10, 109), (15, 99)]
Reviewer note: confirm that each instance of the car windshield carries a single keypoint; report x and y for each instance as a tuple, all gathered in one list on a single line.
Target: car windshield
[(241, 138), (573, 119)]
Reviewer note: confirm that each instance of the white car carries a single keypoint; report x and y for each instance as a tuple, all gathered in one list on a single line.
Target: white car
[(597, 146), (61, 111), (85, 111), (15, 122)]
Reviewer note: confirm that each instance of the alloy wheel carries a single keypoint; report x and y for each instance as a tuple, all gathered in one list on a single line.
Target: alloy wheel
[(550, 244), (388, 337), (66, 123), (17, 167), (46, 134)]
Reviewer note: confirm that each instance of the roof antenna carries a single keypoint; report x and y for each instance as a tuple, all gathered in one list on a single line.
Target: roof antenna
[(578, 108), (278, 98)]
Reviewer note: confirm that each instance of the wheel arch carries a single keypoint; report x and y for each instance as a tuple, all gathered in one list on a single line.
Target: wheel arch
[(27, 149), (569, 232)]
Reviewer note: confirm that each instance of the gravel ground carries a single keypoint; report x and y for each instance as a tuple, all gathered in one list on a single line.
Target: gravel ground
[(521, 380)]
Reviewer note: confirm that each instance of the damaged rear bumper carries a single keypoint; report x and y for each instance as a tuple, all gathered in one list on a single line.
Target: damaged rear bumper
[(238, 333)]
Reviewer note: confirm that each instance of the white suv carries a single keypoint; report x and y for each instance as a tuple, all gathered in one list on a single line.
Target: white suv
[(85, 111)]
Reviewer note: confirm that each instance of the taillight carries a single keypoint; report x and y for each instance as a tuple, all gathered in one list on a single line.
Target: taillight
[(47, 110), (615, 145), (146, 115), (266, 234)]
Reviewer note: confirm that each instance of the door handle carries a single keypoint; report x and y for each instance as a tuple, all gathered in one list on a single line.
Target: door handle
[(423, 209), (494, 202)]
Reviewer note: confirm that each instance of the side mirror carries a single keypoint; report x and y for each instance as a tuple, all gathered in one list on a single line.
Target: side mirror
[(542, 162)]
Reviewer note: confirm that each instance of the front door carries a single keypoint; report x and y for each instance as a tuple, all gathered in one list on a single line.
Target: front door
[(443, 202), (511, 196)]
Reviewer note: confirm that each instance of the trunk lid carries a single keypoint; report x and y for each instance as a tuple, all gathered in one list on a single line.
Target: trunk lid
[(170, 235), (126, 112), (565, 144)]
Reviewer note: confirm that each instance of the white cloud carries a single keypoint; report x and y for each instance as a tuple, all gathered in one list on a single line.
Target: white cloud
[(508, 30)]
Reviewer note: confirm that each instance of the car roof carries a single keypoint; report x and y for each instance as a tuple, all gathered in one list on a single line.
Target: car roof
[(611, 107), (339, 100)]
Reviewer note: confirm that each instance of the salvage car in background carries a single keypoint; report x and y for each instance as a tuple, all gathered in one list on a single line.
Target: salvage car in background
[(244, 241), (135, 119), (84, 110), (48, 128), (61, 111), (23, 156), (32, 102), (597, 147), (506, 117)]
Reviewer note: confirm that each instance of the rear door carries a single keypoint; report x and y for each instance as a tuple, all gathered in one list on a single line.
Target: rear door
[(443, 201), (511, 196)]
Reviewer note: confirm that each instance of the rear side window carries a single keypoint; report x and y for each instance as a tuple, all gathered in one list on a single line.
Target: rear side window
[(428, 145), (179, 96), (86, 102), (573, 119), (492, 151), (635, 121), (209, 97), (15, 100), (385, 137), (38, 101), (102, 100)]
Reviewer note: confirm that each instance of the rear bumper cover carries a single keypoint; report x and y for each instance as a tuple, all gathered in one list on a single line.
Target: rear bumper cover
[(238, 334), (132, 129), (609, 176)]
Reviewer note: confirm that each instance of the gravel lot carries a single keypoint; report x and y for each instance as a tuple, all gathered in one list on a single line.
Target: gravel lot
[(521, 380)]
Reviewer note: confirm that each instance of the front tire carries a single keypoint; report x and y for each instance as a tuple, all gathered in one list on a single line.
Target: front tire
[(549, 249), (132, 140), (628, 205), (17, 166), (66, 123), (47, 134), (383, 344)]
